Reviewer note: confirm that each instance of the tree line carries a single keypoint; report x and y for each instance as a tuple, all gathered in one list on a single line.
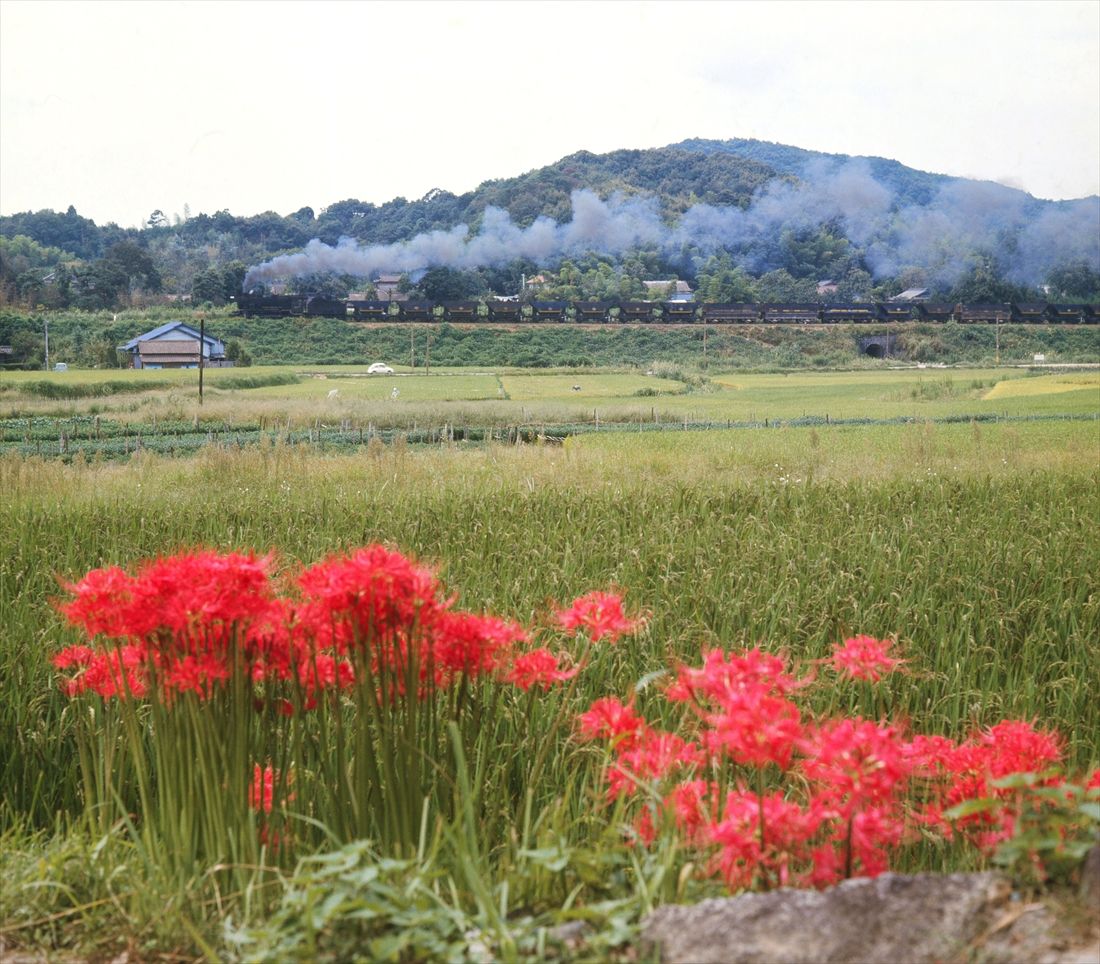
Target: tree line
[(57, 260)]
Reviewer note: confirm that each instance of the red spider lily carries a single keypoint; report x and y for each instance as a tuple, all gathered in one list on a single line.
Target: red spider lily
[(181, 616), (864, 657), (599, 614), (370, 595), (608, 719), (652, 756), (117, 672), (692, 804), (972, 767), (261, 795), (196, 674), (873, 832), (755, 728), (539, 667), (101, 603), (855, 764), (773, 854), (722, 677), (1093, 782), (828, 867), (928, 754), (172, 598), (471, 644), (78, 656)]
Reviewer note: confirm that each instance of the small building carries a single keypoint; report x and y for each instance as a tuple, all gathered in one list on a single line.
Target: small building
[(827, 286), (175, 345), (677, 290), (385, 288), (911, 294)]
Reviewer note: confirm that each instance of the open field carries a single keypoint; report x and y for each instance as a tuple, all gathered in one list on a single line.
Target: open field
[(975, 544), (1056, 384), (507, 397)]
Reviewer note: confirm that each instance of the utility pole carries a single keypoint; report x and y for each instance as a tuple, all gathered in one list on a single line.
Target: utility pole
[(202, 346), (46, 321), (428, 354), (412, 348)]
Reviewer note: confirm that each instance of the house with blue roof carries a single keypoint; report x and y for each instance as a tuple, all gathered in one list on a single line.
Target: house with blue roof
[(175, 345)]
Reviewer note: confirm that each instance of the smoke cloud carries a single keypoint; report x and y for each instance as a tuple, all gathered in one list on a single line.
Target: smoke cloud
[(1027, 237)]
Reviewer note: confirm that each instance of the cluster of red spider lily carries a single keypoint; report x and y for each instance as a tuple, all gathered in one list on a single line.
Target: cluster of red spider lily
[(775, 797), (193, 621)]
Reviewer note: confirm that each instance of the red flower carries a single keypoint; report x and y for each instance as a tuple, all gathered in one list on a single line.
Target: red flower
[(755, 728), (599, 614), (261, 795), (101, 603), (971, 768), (864, 657), (873, 832), (773, 853), (652, 756), (539, 667), (855, 764), (117, 672), (722, 677), (608, 719), (370, 595), (693, 803), (471, 644)]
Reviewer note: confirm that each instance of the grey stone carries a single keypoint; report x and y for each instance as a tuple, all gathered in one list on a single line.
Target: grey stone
[(891, 918), (1090, 880)]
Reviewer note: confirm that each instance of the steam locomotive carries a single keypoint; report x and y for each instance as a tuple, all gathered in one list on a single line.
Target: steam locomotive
[(661, 312)]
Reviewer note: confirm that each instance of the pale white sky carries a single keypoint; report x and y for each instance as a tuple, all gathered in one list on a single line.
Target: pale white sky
[(122, 108)]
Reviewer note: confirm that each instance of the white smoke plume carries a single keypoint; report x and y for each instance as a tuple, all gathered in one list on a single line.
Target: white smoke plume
[(1027, 237)]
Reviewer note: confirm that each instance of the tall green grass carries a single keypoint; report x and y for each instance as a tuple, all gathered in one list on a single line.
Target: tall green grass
[(987, 571)]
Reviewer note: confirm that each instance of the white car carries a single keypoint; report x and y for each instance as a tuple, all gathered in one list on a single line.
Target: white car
[(379, 368)]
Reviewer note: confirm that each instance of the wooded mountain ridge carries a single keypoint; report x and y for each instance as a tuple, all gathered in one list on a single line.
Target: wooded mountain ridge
[(779, 220)]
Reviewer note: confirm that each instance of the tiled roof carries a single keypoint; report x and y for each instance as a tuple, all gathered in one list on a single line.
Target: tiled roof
[(165, 346)]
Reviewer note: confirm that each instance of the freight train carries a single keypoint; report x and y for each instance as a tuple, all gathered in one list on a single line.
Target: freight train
[(661, 312)]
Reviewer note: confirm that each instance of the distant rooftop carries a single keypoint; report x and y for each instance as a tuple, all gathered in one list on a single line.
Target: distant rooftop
[(911, 294)]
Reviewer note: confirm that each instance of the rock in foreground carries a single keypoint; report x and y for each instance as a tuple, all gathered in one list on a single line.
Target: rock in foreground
[(921, 918)]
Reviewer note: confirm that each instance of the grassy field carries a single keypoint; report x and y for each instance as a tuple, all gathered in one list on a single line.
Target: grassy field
[(510, 397), (976, 545)]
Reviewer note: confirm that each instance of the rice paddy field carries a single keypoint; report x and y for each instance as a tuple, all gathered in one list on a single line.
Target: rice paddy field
[(955, 513)]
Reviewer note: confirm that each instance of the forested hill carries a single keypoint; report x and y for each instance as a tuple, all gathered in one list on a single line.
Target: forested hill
[(908, 184), (740, 219), (678, 178)]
